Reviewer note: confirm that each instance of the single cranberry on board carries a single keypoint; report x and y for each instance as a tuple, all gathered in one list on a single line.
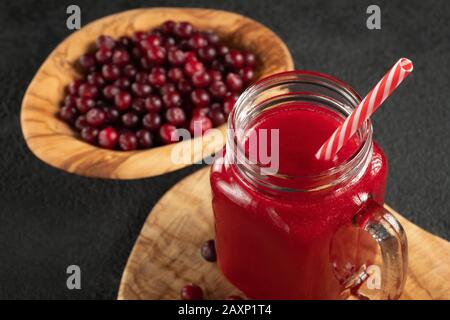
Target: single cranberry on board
[(152, 83), (208, 251), (191, 292)]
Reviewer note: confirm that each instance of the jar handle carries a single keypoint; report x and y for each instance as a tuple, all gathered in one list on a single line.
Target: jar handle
[(381, 277)]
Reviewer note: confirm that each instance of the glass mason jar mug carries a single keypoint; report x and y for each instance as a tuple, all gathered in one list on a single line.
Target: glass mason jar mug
[(309, 229)]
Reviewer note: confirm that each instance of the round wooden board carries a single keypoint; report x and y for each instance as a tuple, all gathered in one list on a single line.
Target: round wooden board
[(166, 255), (55, 143)]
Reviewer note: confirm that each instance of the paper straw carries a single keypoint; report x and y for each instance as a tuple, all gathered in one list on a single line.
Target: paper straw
[(365, 109)]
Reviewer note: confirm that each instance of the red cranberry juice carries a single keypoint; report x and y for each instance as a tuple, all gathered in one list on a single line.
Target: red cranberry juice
[(276, 245)]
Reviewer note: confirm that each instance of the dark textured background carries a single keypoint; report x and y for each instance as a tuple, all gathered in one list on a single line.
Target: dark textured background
[(50, 219)]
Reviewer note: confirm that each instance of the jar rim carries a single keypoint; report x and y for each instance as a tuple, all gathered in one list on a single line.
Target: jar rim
[(344, 169)]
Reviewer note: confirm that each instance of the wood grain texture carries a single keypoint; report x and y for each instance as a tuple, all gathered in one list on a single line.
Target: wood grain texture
[(55, 143), (166, 255)]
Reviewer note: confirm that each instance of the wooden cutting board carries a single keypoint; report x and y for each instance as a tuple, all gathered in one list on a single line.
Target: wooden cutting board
[(166, 255)]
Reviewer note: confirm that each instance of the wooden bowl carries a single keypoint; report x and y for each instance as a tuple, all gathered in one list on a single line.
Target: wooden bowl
[(55, 143)]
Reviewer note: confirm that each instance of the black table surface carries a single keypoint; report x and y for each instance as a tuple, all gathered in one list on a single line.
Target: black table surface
[(51, 219)]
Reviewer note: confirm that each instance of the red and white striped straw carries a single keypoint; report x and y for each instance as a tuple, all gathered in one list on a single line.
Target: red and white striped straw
[(365, 109)]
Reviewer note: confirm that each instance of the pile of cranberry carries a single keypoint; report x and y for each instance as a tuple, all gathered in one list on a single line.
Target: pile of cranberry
[(137, 91)]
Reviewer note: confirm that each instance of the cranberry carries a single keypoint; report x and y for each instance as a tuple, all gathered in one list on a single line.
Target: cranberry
[(70, 101), (141, 90), (218, 66), (108, 137), (103, 55), (96, 79), (197, 41), (223, 50), (130, 119), (156, 55), (175, 116), (105, 42), (250, 59), (87, 90), (183, 30), (153, 104), (184, 86), (141, 77), (234, 82), (122, 100), (72, 88), (84, 104), (212, 37), (145, 138), (159, 69), (139, 35), (216, 106), (170, 43), (228, 104), (150, 41), (176, 57), (247, 74), (168, 87), (129, 71), (138, 105), (120, 57), (233, 298), (191, 292), (68, 113), (201, 79), (200, 97), (125, 42), (191, 56), (110, 91), (95, 117), (89, 134), (157, 78), (175, 74), (208, 251), (207, 54), (110, 72), (81, 122), (199, 125), (87, 61), (122, 83), (172, 99), (200, 111), (167, 133), (191, 67), (137, 53), (151, 121), (218, 89), (234, 59), (128, 141), (112, 115), (217, 117), (215, 75), (101, 103), (168, 26), (145, 63)]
